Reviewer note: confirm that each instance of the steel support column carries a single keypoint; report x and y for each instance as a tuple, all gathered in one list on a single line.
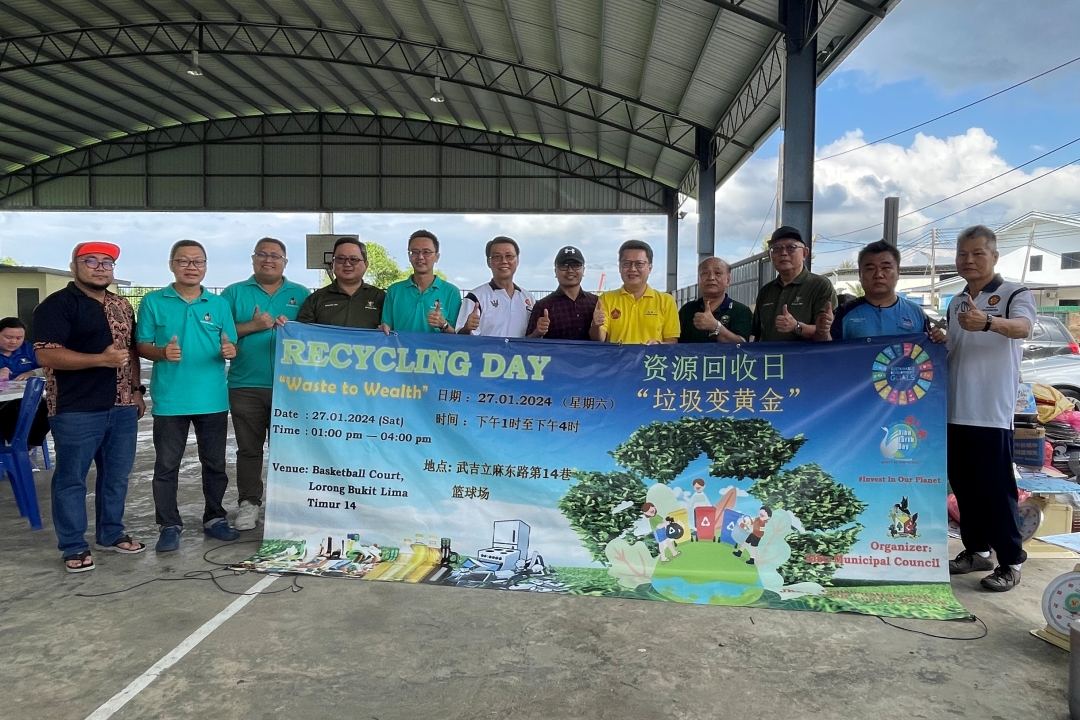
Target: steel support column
[(706, 229), (671, 204), (800, 107)]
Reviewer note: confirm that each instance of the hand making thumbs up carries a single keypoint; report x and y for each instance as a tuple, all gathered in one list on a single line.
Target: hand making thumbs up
[(543, 324), (262, 320), (598, 316), (785, 322), (705, 320), (172, 350), (115, 357), (473, 321), (228, 349), (824, 323), (435, 317)]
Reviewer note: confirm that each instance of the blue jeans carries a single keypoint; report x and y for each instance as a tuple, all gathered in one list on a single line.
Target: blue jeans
[(108, 439)]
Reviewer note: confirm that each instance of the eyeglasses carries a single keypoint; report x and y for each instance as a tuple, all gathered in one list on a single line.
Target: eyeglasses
[(186, 263), (509, 257), (94, 263), (421, 253), (785, 249), (635, 264), (268, 256), (350, 261), (570, 266)]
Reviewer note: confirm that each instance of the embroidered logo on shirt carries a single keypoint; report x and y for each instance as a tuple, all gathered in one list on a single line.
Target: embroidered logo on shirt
[(370, 305), (907, 322), (207, 318), (494, 303), (615, 314), (292, 301), (994, 300), (724, 320), (528, 303)]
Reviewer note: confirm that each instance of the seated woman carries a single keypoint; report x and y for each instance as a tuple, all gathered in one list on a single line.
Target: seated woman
[(17, 362)]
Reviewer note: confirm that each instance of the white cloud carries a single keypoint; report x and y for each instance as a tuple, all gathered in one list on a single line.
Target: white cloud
[(957, 45), (850, 190)]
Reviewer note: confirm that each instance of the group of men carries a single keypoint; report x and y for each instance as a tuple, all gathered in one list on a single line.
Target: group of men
[(88, 341)]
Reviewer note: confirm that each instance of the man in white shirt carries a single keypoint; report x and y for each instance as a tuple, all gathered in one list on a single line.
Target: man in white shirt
[(987, 325), (498, 308)]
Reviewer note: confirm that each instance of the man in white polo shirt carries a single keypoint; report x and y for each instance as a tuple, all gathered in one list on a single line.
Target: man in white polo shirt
[(498, 308), (987, 324)]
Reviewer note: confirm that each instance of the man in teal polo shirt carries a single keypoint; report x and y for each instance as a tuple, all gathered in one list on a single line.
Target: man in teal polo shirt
[(188, 333), (422, 302), (260, 305)]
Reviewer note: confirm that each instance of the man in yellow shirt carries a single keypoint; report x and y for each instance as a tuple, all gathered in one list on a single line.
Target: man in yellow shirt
[(635, 314)]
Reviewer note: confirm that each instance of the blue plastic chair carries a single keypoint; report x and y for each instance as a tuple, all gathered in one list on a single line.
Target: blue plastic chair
[(15, 456)]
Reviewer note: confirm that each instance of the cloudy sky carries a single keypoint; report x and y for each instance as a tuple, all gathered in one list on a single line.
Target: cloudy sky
[(925, 59)]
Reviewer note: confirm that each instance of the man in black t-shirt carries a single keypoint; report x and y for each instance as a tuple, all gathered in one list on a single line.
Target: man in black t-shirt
[(84, 338)]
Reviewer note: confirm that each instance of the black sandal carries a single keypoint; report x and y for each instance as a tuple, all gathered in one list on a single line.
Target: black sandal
[(82, 558), (115, 547)]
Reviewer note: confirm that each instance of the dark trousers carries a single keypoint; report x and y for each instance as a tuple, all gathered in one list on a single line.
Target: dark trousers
[(981, 475), (251, 422), (170, 440)]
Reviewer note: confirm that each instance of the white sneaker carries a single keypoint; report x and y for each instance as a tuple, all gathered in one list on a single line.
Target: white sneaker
[(248, 516)]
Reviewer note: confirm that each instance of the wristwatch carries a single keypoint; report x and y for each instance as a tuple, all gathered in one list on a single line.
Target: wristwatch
[(798, 328), (989, 322), (141, 389), (446, 324)]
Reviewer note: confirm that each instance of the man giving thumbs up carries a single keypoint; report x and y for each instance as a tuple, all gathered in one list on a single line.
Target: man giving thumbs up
[(422, 302), (714, 317), (567, 313), (788, 307), (188, 333)]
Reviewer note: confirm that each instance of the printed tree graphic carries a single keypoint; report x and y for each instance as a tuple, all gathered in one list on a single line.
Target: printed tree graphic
[(739, 449)]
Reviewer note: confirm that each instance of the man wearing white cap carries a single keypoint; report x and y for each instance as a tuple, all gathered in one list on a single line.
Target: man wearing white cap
[(85, 340)]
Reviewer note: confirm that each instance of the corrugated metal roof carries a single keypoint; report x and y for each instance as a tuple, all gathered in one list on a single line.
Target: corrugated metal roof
[(619, 83)]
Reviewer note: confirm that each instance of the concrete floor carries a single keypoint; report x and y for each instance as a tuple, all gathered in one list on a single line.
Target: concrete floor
[(386, 651)]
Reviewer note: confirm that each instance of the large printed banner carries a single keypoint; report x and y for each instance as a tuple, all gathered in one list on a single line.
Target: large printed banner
[(797, 476)]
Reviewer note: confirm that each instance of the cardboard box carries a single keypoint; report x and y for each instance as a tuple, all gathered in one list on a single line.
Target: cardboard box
[(1029, 446)]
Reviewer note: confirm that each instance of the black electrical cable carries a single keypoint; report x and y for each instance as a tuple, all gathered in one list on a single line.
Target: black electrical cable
[(972, 619)]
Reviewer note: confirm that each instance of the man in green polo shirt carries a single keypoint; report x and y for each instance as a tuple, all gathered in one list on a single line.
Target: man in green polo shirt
[(788, 308), (260, 305), (422, 302), (347, 301), (188, 333)]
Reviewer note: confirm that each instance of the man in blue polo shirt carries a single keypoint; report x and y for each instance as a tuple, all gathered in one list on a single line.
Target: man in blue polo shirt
[(260, 305), (188, 333), (880, 311), (423, 301)]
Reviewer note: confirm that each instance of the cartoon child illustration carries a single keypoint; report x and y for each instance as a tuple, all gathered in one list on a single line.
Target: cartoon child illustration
[(659, 527), (757, 530), (697, 499)]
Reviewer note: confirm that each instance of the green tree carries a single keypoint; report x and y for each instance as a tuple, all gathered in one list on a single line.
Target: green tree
[(737, 448), (382, 270), (9, 261), (846, 265), (590, 505), (825, 508)]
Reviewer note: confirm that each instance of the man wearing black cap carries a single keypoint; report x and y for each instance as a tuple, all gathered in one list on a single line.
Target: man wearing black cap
[(565, 314), (788, 307)]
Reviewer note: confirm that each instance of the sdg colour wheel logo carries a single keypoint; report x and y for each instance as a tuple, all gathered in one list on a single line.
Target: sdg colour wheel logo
[(902, 373)]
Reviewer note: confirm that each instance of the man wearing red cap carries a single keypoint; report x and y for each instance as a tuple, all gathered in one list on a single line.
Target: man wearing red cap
[(85, 340)]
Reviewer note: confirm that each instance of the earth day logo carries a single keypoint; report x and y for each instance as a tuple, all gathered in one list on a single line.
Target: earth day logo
[(902, 373), (901, 439)]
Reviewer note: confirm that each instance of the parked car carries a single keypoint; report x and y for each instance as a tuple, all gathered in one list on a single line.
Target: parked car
[(1049, 337), (1060, 371)]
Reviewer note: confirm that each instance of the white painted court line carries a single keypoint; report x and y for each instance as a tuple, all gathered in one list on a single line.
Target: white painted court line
[(140, 683)]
